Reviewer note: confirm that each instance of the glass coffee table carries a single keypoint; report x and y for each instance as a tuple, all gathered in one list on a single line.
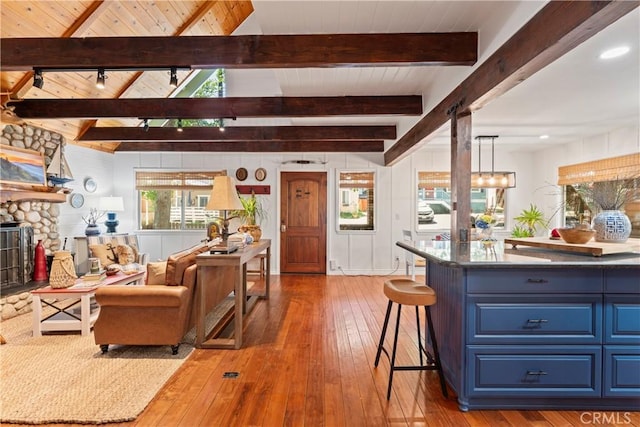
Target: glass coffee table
[(73, 308)]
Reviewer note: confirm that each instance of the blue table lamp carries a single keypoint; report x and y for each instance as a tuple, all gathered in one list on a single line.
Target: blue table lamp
[(111, 205)]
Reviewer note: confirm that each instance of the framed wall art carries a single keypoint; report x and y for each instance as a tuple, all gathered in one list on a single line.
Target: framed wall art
[(21, 168)]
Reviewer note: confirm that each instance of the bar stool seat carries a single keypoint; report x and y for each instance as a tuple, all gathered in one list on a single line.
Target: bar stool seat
[(409, 292)]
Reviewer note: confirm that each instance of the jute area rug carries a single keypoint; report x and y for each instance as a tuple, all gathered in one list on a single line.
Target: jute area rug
[(64, 378)]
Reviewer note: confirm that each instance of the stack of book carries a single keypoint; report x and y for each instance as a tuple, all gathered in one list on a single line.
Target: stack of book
[(95, 277)]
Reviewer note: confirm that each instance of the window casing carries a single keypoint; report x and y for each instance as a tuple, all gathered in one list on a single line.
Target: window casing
[(174, 200), (356, 202)]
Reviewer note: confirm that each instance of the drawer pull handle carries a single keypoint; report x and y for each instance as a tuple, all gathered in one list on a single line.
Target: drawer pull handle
[(537, 320), (537, 281), (536, 373)]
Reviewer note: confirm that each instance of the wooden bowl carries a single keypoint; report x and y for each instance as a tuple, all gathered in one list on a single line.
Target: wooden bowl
[(576, 235)]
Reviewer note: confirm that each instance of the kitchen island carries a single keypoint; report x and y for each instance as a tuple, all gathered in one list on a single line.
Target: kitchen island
[(533, 328)]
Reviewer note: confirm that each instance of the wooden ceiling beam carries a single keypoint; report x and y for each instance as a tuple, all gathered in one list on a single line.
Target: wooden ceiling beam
[(239, 133), (199, 14), (559, 27), (258, 146), (79, 27), (249, 51), (212, 108)]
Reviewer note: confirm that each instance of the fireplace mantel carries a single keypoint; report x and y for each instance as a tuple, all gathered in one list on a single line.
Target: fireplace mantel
[(14, 195)]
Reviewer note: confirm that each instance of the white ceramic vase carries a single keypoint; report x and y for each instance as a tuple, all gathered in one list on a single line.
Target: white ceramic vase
[(611, 227)]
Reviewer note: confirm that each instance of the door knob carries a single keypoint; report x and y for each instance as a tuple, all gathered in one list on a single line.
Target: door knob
[(283, 228)]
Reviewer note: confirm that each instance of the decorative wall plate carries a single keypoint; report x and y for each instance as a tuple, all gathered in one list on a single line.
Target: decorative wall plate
[(241, 174), (90, 185), (261, 174), (76, 200)]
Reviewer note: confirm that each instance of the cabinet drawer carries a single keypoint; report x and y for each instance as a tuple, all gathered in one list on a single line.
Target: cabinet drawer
[(533, 319), (534, 280), (621, 371), (536, 371), (622, 319), (622, 281)]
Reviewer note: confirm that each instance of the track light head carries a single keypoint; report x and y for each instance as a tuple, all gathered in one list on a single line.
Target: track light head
[(100, 79), (146, 125), (173, 80), (38, 80), (179, 129)]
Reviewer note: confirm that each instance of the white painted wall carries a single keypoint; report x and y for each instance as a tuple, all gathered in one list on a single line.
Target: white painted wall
[(356, 253), (616, 143)]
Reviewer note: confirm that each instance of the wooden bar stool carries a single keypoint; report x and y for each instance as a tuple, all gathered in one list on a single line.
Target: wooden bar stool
[(410, 292)]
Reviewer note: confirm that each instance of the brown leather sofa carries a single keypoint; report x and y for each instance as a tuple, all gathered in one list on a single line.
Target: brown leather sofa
[(153, 314)]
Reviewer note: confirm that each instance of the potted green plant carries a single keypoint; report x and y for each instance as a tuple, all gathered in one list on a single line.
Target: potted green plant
[(252, 214), (528, 222)]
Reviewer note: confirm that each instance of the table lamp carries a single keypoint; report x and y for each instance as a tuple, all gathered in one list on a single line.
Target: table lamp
[(224, 197), (111, 205)]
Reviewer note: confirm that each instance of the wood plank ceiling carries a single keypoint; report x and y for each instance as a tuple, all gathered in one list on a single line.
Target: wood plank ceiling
[(144, 40), (69, 40), (65, 19)]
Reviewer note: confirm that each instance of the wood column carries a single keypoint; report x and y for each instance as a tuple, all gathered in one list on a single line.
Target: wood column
[(461, 176)]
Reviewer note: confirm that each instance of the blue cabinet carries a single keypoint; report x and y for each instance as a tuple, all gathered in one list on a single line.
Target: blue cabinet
[(534, 371), (534, 319), (539, 337), (622, 336)]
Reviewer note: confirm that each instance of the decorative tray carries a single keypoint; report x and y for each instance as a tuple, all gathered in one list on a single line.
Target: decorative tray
[(590, 248)]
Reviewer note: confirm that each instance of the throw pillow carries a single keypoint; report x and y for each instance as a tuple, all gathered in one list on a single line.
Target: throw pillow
[(177, 263), (156, 273), (106, 254), (126, 254)]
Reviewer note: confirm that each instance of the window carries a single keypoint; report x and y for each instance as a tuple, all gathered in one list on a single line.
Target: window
[(618, 175), (434, 202), (356, 201), (171, 200)]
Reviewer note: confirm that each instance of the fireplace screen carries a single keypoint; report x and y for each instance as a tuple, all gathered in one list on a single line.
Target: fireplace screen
[(16, 259)]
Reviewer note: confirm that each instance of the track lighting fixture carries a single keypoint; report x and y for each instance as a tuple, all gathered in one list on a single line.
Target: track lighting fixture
[(38, 80), (146, 125), (179, 129), (221, 127), (173, 80), (100, 79)]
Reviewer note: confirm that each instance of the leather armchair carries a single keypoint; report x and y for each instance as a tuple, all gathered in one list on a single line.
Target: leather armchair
[(151, 314)]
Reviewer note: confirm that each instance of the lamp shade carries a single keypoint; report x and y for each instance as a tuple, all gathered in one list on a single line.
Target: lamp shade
[(224, 196), (111, 204)]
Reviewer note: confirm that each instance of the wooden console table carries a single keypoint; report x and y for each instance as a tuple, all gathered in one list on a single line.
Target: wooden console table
[(212, 271)]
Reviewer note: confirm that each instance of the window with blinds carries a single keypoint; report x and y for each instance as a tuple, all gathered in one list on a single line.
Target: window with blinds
[(620, 169), (356, 207), (610, 169), (175, 200), (434, 202)]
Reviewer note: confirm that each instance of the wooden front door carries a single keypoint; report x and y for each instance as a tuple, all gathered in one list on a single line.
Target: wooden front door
[(303, 224)]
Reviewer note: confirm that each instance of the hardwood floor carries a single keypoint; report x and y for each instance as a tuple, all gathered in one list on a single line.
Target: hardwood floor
[(308, 359)]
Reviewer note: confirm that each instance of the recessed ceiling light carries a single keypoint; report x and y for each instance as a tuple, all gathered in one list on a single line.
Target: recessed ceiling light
[(615, 52), (544, 136)]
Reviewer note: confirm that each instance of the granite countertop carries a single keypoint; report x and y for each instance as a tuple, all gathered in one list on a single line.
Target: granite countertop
[(501, 255)]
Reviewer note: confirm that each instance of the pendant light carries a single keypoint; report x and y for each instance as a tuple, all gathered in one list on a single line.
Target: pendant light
[(497, 179)]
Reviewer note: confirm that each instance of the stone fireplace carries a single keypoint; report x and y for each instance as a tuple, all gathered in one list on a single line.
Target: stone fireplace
[(41, 216)]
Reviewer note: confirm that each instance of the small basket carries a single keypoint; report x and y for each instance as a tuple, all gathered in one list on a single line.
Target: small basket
[(63, 273)]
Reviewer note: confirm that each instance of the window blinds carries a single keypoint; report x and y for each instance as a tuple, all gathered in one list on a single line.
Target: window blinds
[(611, 169), (184, 180)]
